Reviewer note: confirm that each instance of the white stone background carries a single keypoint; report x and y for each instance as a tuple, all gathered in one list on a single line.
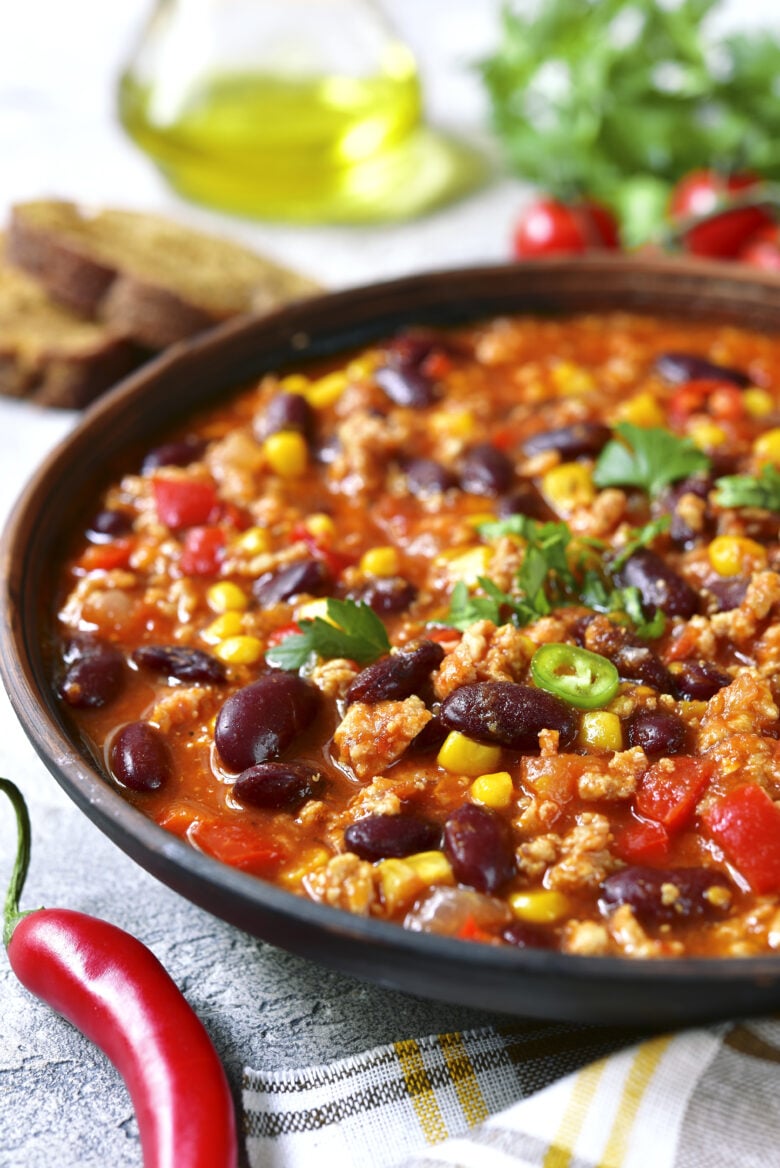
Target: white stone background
[(60, 1102)]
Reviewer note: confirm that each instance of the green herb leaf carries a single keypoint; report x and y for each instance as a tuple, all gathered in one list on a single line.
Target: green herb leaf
[(640, 537), (465, 609), (587, 97), (761, 491), (653, 458), (356, 633)]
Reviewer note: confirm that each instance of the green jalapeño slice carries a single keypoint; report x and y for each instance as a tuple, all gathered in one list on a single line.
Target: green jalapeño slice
[(582, 678)]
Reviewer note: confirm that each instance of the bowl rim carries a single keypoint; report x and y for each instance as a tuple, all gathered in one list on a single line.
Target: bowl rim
[(20, 664)]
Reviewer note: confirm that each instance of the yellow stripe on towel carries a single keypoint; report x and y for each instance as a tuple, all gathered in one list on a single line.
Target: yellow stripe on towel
[(644, 1066), (561, 1150), (464, 1079), (421, 1092)]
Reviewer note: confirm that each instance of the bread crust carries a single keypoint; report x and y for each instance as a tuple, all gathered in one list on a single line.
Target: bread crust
[(60, 246)]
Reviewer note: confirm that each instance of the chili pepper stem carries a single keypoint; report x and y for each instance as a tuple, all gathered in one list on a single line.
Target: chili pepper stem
[(11, 913)]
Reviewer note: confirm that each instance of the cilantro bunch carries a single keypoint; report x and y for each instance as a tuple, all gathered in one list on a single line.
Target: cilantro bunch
[(619, 98)]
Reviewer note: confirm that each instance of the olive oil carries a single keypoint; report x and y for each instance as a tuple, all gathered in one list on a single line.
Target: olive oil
[(303, 148)]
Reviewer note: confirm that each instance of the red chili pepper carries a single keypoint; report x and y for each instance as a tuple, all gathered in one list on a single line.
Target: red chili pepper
[(117, 993)]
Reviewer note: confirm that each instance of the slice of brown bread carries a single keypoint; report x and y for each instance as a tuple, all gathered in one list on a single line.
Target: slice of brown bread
[(147, 277), (50, 355)]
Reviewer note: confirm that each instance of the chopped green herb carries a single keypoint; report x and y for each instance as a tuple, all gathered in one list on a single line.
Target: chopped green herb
[(465, 609), (593, 98), (652, 459), (762, 490), (641, 537), (356, 633)]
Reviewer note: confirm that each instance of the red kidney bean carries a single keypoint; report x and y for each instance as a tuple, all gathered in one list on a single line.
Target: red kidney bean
[(424, 477), (278, 786), (139, 757), (580, 440), (174, 454), (180, 662), (94, 676), (429, 739), (403, 378), (413, 348), (386, 594), (728, 592), (286, 411), (659, 585), (379, 836), (486, 470), (261, 720), (478, 845), (508, 714), (640, 664), (525, 500), (657, 732), (525, 936), (304, 576), (644, 889), (397, 676), (698, 681), (679, 367), (680, 532), (108, 524)]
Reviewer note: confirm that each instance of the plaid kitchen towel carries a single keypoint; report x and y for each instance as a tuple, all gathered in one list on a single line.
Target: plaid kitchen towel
[(531, 1096)]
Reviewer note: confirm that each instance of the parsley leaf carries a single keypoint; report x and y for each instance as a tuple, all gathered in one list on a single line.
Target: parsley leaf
[(641, 537), (590, 97), (652, 459), (352, 630), (751, 491), (465, 609)]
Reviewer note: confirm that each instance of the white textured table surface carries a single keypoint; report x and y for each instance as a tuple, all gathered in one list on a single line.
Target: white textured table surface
[(60, 1102)]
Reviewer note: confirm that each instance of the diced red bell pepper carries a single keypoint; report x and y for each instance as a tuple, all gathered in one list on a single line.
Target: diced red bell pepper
[(746, 825), (278, 635), (202, 551), (107, 556), (184, 502), (669, 794), (239, 846), (335, 562), (643, 843)]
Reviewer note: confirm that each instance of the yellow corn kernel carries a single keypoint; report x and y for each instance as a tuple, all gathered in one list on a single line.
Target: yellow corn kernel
[(255, 541), (327, 390), (294, 383), (286, 453), (767, 447), (242, 650), (463, 756), (568, 487), (229, 624), (431, 867), (362, 366), (321, 527), (311, 859), (732, 555), (542, 907), (494, 790), (466, 565), (227, 597), (758, 402), (707, 435), (311, 609), (601, 730), (380, 561), (480, 517), (569, 378), (399, 883), (642, 410), (452, 423)]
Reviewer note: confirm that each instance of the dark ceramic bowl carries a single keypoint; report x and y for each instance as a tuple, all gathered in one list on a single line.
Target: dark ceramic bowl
[(526, 982)]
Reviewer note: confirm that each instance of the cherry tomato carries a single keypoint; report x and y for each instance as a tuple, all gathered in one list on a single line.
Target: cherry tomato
[(722, 232), (762, 250), (551, 227)]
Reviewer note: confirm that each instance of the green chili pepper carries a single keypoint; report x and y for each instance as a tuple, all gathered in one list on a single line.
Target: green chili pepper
[(582, 678)]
